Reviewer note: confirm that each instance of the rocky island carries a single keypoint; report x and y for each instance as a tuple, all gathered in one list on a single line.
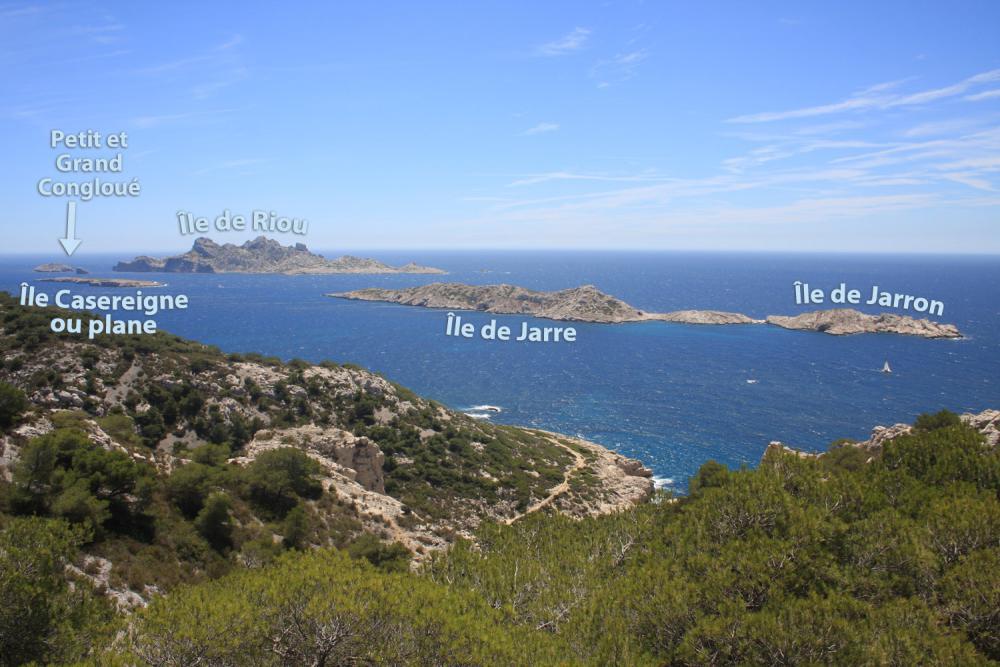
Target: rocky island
[(589, 304), (846, 321), (59, 268), (105, 282), (580, 304), (261, 255)]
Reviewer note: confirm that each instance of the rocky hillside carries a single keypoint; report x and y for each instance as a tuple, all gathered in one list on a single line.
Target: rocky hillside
[(285, 455), (262, 255)]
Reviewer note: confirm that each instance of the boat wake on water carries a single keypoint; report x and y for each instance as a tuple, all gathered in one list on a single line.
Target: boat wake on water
[(482, 411)]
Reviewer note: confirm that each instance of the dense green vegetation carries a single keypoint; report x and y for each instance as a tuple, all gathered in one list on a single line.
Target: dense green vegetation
[(836, 559), (44, 616), (446, 455), (802, 561), (200, 521)]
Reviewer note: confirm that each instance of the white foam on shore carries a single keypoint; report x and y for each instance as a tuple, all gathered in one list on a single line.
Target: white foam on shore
[(662, 482), (477, 415), (485, 408)]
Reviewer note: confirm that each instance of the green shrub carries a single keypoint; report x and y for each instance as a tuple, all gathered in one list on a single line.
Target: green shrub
[(42, 618), (932, 422), (12, 403), (214, 523), (279, 477), (189, 485)]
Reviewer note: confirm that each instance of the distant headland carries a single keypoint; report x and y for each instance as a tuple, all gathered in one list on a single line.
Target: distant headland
[(589, 304), (262, 255)]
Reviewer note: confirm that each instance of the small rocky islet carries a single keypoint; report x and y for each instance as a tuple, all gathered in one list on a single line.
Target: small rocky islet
[(54, 267), (105, 282)]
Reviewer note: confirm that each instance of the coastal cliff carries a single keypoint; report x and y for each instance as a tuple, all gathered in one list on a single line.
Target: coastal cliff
[(261, 255), (589, 304)]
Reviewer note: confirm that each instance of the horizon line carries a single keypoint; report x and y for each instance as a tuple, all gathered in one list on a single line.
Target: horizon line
[(637, 250)]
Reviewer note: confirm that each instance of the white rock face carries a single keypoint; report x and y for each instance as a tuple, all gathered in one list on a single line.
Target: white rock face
[(339, 451), (986, 422)]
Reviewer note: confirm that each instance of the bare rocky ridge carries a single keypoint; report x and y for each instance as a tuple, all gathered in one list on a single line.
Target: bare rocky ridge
[(261, 255), (585, 303), (589, 304)]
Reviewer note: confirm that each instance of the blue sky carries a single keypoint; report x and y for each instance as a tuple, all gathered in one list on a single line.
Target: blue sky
[(739, 126)]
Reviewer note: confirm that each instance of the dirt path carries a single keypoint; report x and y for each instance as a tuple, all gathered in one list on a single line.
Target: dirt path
[(557, 490)]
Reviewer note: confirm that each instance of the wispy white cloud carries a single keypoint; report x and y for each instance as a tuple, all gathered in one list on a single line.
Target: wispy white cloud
[(985, 95), (793, 146), (102, 33), (881, 96), (218, 68), (228, 165), (572, 41), (842, 167), (621, 67), (570, 176), (230, 43), (971, 180), (172, 65), (156, 120), (12, 12), (541, 128), (224, 80), (942, 127), (216, 56)]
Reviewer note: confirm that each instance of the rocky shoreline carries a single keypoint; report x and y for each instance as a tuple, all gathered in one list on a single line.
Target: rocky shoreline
[(589, 304)]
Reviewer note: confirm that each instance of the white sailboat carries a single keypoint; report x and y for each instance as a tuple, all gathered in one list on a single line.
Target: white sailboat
[(886, 368)]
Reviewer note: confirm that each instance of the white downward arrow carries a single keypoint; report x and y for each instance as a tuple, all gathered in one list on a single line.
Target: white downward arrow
[(70, 243)]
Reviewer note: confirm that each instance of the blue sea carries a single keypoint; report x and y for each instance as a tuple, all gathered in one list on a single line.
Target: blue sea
[(671, 395)]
